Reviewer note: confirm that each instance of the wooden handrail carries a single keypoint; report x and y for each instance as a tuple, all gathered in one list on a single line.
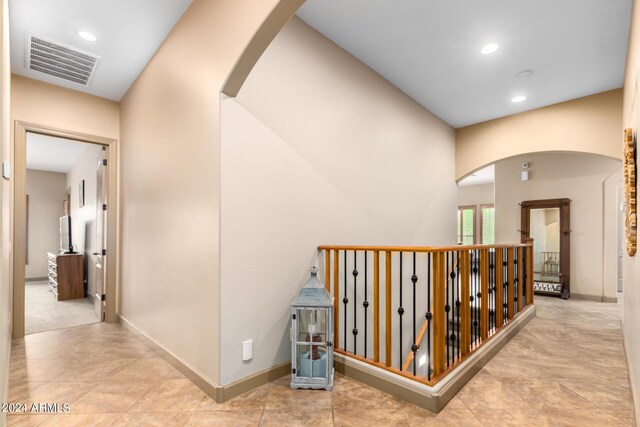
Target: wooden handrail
[(419, 337), (418, 249)]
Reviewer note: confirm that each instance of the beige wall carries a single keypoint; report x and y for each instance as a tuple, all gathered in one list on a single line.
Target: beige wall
[(46, 191), (588, 181), (631, 271), (317, 148), (589, 125), (475, 195), (84, 218), (5, 212), (54, 106), (60, 108), (170, 172)]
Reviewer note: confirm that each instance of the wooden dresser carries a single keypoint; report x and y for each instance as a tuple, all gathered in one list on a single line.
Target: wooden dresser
[(66, 276)]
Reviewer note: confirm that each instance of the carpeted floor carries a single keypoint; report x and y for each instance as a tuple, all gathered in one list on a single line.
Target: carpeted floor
[(43, 312)]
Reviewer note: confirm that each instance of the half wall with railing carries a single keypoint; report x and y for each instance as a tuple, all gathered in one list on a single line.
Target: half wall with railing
[(421, 311)]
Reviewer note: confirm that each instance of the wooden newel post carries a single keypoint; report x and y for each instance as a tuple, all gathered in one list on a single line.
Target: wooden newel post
[(529, 251), (439, 318)]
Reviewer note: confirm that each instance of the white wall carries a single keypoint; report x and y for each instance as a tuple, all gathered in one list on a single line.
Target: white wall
[(83, 219), (46, 191), (581, 178), (318, 149)]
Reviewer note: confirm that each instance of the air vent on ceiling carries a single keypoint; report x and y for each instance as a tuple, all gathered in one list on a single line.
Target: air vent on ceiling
[(58, 60)]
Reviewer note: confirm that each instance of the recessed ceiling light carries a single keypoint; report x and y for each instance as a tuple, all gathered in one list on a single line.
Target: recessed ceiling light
[(524, 74), (489, 49), (87, 36), (518, 98)]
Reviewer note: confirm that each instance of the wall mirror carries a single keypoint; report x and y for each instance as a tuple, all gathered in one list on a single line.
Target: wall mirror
[(548, 223)]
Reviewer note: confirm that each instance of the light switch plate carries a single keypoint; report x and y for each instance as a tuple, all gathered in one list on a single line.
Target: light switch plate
[(6, 169), (247, 350)]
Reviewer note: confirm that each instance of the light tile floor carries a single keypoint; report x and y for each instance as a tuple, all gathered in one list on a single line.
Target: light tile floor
[(565, 368)]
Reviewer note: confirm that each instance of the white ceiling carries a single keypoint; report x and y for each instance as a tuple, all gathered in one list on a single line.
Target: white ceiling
[(129, 32), (482, 176), (430, 49), (48, 153)]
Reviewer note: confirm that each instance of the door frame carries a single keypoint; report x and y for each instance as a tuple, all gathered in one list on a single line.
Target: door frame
[(18, 220), (564, 205)]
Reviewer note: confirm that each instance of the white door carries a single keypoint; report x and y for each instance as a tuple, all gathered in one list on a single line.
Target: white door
[(100, 254)]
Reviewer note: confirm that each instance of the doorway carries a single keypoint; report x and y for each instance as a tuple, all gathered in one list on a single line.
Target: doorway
[(548, 223), (620, 237), (64, 279)]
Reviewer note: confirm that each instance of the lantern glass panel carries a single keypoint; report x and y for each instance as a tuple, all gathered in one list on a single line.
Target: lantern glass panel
[(312, 325), (312, 361)]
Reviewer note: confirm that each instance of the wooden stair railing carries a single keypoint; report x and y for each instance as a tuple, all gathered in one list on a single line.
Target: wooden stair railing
[(466, 296)]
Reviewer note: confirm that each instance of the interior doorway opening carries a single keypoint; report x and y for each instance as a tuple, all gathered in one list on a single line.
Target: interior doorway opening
[(64, 225), (65, 193)]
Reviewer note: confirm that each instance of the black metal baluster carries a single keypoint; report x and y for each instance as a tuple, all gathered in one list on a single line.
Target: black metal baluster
[(355, 305), (365, 304), (447, 307), (478, 296), (345, 300), (516, 281), (481, 297), (505, 286), (429, 316), (458, 301), (495, 285), (453, 307), (414, 344), (400, 313), (472, 297)]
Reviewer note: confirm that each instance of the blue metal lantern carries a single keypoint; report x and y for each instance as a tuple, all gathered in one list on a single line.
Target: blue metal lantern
[(312, 336)]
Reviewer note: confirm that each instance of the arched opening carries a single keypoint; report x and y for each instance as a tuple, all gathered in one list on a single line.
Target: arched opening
[(591, 182)]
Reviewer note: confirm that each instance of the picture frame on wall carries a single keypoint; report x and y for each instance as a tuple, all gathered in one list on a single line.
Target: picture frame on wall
[(630, 191), (81, 193)]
